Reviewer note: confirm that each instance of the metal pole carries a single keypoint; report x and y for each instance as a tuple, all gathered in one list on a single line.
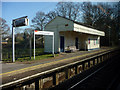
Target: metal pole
[(0, 45), (109, 36), (13, 44), (85, 45), (53, 45), (34, 45), (30, 46), (1, 33)]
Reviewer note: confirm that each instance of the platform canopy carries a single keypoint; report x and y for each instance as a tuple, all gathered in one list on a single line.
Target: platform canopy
[(66, 24), (87, 30)]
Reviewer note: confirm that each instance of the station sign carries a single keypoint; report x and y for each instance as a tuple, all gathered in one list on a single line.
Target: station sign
[(36, 32), (23, 21), (43, 32)]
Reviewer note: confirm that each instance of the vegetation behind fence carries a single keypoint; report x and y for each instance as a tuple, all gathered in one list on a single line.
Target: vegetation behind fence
[(22, 49)]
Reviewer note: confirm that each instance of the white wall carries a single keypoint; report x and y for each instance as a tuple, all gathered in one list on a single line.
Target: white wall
[(93, 43), (70, 39), (87, 30), (70, 32), (83, 39), (56, 25)]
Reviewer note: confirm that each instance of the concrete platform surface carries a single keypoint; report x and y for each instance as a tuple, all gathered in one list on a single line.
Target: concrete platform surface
[(7, 67), (15, 71)]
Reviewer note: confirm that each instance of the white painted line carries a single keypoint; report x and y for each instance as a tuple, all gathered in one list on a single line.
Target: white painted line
[(86, 78), (38, 74)]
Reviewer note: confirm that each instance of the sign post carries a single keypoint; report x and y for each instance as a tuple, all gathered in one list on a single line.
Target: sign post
[(53, 46), (23, 21), (13, 44), (34, 45), (0, 45), (44, 33)]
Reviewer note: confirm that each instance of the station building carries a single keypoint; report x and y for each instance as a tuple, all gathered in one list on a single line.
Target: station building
[(72, 35)]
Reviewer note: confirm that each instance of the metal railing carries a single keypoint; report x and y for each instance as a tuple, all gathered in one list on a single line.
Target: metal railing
[(54, 76)]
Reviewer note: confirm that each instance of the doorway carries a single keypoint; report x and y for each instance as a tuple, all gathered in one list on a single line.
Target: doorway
[(76, 42), (61, 43)]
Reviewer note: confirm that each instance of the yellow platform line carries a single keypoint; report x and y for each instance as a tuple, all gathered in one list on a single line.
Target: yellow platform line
[(45, 64)]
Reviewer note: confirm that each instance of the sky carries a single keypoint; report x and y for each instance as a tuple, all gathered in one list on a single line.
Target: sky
[(13, 10)]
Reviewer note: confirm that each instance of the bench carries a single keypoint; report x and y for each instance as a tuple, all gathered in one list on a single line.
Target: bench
[(70, 49)]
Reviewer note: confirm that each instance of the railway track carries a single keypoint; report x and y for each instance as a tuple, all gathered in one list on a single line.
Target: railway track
[(91, 72), (101, 77)]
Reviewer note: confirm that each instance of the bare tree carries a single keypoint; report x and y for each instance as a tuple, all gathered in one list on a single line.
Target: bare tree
[(50, 16), (39, 21), (61, 9), (69, 10), (101, 16), (4, 29)]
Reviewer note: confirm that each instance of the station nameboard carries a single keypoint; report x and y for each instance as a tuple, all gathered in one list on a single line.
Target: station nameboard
[(36, 32), (44, 32), (23, 21)]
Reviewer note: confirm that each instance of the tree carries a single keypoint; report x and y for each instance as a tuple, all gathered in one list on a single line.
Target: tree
[(115, 23), (100, 16), (93, 14), (4, 28), (50, 16), (39, 21), (65, 9), (69, 10)]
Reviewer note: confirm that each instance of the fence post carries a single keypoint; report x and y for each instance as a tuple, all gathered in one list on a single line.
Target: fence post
[(100, 58), (104, 57), (37, 84), (97, 60), (24, 87), (76, 69), (55, 79), (93, 61), (67, 73), (89, 64), (41, 83), (83, 66)]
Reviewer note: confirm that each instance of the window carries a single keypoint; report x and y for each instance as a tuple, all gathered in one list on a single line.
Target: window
[(88, 41), (95, 42)]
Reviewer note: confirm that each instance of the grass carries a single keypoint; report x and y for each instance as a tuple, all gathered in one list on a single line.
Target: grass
[(23, 55), (40, 57)]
